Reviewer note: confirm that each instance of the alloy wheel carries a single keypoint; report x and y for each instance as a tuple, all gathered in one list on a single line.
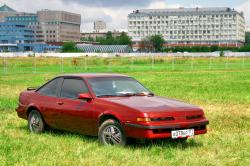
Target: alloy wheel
[(112, 135)]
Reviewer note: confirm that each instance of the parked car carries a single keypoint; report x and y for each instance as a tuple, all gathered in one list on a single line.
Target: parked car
[(111, 106)]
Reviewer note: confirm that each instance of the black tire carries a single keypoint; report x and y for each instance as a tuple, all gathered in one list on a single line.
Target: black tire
[(111, 133), (35, 122)]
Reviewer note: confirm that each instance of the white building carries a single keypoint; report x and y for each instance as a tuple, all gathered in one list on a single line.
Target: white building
[(99, 25), (189, 26)]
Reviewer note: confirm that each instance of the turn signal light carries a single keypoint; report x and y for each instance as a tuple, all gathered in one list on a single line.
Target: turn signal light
[(143, 120)]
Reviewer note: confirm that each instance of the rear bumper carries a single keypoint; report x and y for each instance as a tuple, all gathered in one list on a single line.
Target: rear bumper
[(21, 113), (163, 131)]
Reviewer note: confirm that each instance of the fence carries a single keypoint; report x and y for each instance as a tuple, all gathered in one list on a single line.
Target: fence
[(48, 64), (185, 54)]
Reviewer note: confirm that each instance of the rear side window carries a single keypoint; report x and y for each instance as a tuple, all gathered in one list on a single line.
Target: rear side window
[(50, 88), (71, 88)]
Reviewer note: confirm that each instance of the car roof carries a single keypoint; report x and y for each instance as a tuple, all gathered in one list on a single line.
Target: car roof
[(93, 75)]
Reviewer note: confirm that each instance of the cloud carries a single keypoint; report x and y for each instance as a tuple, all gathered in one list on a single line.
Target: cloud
[(161, 4), (111, 3), (244, 7), (113, 12)]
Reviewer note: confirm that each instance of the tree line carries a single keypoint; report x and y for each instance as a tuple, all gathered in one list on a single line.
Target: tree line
[(123, 39), (153, 43)]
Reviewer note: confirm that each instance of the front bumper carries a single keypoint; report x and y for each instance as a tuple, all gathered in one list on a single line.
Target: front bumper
[(163, 131)]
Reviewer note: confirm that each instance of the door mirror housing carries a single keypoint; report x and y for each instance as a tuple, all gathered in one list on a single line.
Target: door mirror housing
[(84, 96)]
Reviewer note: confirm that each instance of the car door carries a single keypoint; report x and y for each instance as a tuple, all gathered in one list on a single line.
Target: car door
[(75, 114), (47, 99)]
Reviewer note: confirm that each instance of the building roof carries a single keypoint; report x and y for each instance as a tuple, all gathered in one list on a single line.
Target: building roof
[(182, 11), (100, 33), (105, 48), (6, 8)]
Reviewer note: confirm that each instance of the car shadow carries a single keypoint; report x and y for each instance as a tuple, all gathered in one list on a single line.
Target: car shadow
[(131, 143), (62, 133), (169, 143), (58, 132)]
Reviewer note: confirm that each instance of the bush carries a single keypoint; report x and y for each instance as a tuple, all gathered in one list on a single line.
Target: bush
[(245, 48), (70, 47)]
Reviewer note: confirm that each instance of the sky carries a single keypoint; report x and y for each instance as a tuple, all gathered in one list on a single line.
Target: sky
[(115, 12)]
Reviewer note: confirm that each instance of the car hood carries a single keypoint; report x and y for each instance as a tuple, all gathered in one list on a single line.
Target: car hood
[(152, 104)]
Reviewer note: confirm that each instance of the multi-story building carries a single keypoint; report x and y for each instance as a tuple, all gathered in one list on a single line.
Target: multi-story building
[(59, 26), (20, 37), (189, 26), (99, 25), (51, 26), (47, 28), (6, 11), (31, 21), (16, 35)]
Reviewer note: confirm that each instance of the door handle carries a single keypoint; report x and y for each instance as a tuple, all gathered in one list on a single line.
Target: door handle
[(60, 103)]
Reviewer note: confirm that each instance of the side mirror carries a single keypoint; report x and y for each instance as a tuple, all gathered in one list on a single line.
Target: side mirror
[(84, 96)]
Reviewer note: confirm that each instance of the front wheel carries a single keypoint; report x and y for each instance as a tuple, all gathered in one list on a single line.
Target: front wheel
[(111, 133), (35, 122)]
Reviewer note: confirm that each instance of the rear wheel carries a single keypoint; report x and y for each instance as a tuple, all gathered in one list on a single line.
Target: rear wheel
[(35, 122), (111, 133)]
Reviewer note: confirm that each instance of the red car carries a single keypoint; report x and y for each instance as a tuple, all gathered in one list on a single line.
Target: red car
[(114, 107)]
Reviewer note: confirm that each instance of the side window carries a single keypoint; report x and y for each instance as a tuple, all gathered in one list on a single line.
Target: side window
[(71, 88), (50, 88)]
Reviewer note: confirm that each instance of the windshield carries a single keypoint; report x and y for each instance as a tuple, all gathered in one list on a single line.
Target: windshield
[(117, 86)]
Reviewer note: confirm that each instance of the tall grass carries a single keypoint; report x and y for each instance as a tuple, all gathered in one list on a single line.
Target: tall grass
[(118, 64), (223, 93)]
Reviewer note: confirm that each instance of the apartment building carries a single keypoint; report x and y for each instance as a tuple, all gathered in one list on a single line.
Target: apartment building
[(6, 11), (45, 29), (99, 25), (59, 26), (189, 26), (49, 26)]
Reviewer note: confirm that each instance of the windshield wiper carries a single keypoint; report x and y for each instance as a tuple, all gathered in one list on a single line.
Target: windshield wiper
[(136, 94), (144, 94), (106, 96), (129, 94), (126, 95)]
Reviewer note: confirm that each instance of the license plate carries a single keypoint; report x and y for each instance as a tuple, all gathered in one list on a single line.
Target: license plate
[(182, 133)]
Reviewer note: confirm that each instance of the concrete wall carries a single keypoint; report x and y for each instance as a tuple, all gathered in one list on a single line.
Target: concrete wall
[(214, 54)]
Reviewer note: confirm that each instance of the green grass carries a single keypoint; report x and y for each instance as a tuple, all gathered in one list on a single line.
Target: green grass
[(118, 64), (223, 93)]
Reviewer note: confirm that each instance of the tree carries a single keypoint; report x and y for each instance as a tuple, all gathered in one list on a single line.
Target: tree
[(247, 38), (214, 48), (109, 35), (124, 39), (110, 40), (70, 47), (145, 45), (157, 42)]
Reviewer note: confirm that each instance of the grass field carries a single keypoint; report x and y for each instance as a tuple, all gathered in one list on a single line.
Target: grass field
[(222, 91)]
